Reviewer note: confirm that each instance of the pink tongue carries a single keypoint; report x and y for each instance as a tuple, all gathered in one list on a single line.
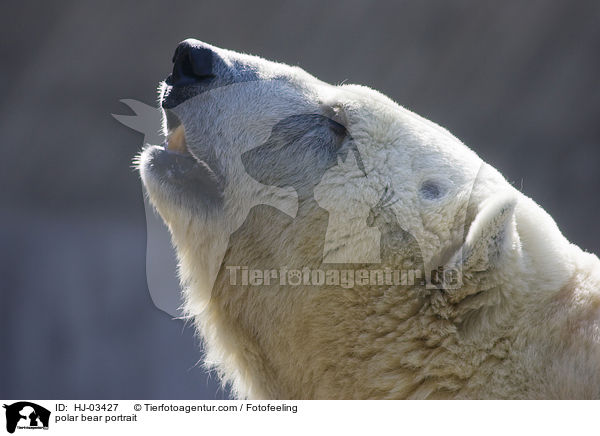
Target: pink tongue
[(176, 141)]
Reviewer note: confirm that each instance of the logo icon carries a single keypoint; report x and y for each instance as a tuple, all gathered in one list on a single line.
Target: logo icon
[(26, 415)]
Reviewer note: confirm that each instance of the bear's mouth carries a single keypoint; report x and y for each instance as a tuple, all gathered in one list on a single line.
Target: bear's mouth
[(175, 135), (173, 164)]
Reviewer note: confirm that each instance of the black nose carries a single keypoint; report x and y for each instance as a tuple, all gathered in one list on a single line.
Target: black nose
[(192, 63)]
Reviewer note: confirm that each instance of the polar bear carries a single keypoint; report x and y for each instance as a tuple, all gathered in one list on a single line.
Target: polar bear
[(292, 203)]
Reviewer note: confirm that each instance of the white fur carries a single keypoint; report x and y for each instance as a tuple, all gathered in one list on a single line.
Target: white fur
[(524, 323)]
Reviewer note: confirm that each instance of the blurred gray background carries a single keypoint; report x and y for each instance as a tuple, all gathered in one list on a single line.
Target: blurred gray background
[(517, 81)]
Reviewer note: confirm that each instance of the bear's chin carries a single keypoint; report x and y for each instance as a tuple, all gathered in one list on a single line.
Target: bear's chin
[(177, 180)]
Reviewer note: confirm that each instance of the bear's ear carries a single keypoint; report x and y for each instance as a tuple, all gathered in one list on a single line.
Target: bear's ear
[(491, 235)]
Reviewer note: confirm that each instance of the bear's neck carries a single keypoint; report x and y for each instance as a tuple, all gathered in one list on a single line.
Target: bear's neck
[(408, 342)]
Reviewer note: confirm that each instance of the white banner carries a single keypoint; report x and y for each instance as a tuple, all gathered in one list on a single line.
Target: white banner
[(298, 417)]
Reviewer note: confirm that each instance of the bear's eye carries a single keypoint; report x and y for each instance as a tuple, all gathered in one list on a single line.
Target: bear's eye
[(432, 190)]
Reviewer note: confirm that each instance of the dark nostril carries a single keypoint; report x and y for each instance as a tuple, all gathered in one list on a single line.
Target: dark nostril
[(191, 64)]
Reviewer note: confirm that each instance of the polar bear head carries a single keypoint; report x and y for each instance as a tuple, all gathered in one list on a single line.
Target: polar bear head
[(259, 154), (221, 108)]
